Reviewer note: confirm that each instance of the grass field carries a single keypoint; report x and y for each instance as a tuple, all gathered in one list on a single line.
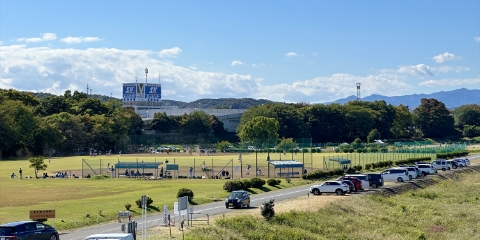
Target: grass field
[(75, 198), (443, 211)]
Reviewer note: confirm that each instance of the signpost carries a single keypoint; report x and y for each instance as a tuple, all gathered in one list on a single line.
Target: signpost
[(144, 217), (43, 214)]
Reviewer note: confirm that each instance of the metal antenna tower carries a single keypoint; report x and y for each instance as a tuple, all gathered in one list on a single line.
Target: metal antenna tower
[(358, 92), (146, 73)]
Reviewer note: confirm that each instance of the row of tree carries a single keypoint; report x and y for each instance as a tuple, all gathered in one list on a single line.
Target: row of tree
[(356, 119), (74, 121)]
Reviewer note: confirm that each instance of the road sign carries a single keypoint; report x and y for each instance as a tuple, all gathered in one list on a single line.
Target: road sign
[(42, 214), (144, 200)]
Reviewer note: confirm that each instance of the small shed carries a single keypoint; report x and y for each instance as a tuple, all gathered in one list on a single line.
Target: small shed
[(132, 169), (288, 167)]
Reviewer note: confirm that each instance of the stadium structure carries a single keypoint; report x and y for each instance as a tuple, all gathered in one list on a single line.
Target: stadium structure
[(146, 99)]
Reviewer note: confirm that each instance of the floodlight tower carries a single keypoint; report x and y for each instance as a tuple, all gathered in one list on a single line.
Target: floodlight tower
[(358, 92), (146, 72)]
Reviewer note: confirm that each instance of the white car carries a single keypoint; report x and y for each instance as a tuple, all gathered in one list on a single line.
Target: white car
[(426, 169), (462, 162), (412, 172), (337, 187), (363, 178), (395, 175), (117, 236)]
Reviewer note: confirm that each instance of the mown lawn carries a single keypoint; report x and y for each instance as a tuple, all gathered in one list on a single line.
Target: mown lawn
[(447, 210)]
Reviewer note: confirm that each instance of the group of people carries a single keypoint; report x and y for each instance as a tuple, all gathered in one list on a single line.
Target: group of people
[(94, 153), (20, 173)]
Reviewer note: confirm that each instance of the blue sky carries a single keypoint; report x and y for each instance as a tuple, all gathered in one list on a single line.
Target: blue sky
[(289, 51)]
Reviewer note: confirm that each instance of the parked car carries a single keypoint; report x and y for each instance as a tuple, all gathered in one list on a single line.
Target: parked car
[(27, 230), (426, 169), (375, 179), (395, 175), (453, 163), (238, 199), (361, 177), (461, 162), (357, 183), (350, 185), (441, 164), (417, 171), (337, 187), (412, 173), (117, 236)]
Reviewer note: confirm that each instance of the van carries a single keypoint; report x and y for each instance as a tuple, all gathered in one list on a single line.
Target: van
[(361, 177), (412, 172), (442, 164), (119, 236), (395, 175)]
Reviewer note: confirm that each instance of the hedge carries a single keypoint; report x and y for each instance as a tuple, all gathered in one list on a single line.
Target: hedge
[(452, 154), (322, 174)]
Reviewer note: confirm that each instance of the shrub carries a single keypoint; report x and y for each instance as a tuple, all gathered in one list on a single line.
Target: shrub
[(318, 150), (267, 210), (305, 150), (452, 154), (350, 170), (233, 185), (182, 192), (139, 202), (257, 182), (246, 184), (358, 168), (128, 206), (368, 166), (314, 150), (337, 150)]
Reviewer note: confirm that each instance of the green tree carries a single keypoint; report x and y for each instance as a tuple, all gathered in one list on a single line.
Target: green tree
[(163, 123), (217, 126), (259, 129), (223, 145), (287, 144), (37, 164), (53, 104), (325, 123), (373, 135), (433, 118), (403, 124), (18, 126), (361, 122), (72, 129), (196, 122), (467, 115)]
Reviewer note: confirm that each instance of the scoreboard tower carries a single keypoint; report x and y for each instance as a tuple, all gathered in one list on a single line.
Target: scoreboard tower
[(142, 95)]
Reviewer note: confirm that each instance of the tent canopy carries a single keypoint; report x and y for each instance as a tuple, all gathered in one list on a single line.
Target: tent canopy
[(143, 165), (341, 160), (286, 164)]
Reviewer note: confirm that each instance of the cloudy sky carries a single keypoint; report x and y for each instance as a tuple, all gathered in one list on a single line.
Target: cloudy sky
[(290, 51)]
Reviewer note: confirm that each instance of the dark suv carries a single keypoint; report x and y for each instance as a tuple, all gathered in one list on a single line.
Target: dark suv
[(375, 179), (238, 198), (27, 230)]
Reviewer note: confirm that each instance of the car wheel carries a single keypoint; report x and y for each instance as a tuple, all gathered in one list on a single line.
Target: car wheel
[(374, 185), (443, 169), (448, 168), (339, 192), (316, 192), (53, 237), (241, 205), (454, 167), (399, 179), (410, 177)]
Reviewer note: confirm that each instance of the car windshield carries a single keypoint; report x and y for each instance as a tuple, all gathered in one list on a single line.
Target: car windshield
[(6, 231), (235, 194)]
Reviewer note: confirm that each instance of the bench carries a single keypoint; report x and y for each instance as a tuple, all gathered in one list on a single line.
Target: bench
[(288, 174)]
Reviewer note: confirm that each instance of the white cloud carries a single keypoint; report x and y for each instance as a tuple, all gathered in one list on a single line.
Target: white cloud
[(291, 54), (236, 62), (170, 52), (420, 70), (451, 82), (446, 69), (73, 40), (1, 42), (45, 37), (441, 58), (258, 65), (477, 39)]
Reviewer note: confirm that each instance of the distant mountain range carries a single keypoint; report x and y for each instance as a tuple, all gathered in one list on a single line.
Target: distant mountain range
[(451, 99)]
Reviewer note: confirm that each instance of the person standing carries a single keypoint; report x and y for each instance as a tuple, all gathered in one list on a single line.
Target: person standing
[(20, 173), (248, 169), (191, 172)]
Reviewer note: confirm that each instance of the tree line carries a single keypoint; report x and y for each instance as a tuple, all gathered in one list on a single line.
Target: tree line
[(31, 125)]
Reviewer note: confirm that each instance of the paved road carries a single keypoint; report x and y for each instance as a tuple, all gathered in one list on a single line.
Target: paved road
[(212, 209)]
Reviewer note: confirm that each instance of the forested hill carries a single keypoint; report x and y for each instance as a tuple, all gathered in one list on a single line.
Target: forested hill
[(219, 103)]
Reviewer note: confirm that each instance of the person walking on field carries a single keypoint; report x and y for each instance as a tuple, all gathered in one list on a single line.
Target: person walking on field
[(248, 169), (20, 173)]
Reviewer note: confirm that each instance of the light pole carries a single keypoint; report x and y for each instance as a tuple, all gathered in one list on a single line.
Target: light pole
[(146, 72)]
